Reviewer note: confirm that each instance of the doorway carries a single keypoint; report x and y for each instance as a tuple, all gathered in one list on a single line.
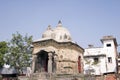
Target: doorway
[(41, 62)]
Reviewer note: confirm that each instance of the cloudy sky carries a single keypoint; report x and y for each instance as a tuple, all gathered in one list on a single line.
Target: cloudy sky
[(87, 20)]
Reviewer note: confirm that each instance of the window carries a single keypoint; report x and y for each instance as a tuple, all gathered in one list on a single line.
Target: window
[(79, 64), (65, 36), (96, 60), (108, 45), (109, 60)]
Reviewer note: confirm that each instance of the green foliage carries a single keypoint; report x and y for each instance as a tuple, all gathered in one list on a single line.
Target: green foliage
[(3, 51), (20, 51), (95, 62)]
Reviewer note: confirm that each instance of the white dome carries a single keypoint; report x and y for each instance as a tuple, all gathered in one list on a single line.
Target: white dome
[(61, 34), (47, 34)]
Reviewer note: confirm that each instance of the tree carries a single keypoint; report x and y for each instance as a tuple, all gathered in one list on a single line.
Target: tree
[(3, 51), (20, 51)]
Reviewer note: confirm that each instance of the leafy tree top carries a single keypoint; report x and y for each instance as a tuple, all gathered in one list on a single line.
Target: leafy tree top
[(3, 51), (20, 51)]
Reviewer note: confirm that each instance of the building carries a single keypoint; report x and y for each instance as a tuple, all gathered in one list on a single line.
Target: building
[(119, 63), (56, 52), (8, 73), (101, 60)]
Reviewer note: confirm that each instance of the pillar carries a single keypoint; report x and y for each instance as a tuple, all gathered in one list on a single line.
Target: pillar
[(33, 63), (55, 64), (49, 62)]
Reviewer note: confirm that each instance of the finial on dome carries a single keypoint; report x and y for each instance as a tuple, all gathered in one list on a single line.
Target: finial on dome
[(59, 23), (49, 27)]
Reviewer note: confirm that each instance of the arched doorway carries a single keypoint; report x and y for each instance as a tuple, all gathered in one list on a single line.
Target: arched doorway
[(41, 64), (79, 64)]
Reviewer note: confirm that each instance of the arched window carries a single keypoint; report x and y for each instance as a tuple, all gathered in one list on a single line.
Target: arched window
[(79, 64), (65, 36)]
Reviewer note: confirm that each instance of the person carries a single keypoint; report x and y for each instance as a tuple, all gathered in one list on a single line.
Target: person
[(28, 71)]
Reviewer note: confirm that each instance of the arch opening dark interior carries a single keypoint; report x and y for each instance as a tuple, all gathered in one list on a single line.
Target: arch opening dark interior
[(41, 64)]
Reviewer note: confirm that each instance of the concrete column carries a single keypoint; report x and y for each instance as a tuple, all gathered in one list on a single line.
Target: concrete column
[(49, 62)]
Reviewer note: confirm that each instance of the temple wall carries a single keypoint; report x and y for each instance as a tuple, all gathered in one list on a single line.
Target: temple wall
[(66, 56)]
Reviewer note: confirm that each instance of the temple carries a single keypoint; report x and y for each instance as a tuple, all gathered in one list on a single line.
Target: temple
[(56, 52)]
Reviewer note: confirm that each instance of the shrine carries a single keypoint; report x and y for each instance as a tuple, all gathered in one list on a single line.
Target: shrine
[(56, 52)]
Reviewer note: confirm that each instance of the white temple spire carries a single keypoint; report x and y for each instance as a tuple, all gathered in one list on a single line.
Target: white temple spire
[(49, 27), (59, 23)]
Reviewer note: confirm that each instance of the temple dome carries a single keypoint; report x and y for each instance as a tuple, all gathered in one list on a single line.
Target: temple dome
[(47, 34), (61, 34)]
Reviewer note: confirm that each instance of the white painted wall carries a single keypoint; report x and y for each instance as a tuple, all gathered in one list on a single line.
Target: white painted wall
[(110, 52), (99, 68), (103, 66)]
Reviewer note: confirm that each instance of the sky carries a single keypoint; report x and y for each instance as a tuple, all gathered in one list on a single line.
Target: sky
[(87, 20)]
